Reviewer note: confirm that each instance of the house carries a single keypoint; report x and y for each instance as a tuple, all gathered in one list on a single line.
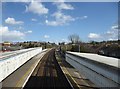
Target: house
[(6, 44)]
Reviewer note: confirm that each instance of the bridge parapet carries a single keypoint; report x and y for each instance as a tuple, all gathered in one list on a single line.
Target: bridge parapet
[(102, 71), (9, 64)]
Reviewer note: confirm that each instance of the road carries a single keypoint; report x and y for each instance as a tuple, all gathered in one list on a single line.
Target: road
[(48, 74)]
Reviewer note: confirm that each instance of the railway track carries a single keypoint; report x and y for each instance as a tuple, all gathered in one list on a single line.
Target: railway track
[(48, 74)]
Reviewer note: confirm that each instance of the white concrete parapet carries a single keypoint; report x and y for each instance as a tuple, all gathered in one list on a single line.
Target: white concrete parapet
[(101, 70), (9, 64)]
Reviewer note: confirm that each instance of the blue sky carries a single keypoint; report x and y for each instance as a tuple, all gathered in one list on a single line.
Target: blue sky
[(54, 22)]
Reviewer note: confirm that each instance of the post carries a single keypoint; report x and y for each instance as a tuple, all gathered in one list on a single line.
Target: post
[(79, 47), (66, 47)]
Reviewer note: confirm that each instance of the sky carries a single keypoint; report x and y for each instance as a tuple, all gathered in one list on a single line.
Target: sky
[(55, 21)]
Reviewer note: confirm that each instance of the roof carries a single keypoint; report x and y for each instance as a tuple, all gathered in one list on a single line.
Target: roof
[(6, 43)]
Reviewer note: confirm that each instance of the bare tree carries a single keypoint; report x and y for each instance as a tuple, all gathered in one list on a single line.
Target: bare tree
[(74, 38)]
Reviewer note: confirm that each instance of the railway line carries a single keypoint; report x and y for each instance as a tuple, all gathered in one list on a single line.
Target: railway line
[(48, 74)]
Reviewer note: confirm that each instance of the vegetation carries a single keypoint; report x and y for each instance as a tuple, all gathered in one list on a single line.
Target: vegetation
[(107, 48), (74, 38), (27, 44)]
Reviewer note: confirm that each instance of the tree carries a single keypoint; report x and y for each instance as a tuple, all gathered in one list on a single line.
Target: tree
[(74, 38)]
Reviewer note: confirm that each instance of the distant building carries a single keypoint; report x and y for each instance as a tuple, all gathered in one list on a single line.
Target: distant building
[(6, 44)]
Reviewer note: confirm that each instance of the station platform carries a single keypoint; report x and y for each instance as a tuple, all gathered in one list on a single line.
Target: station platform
[(19, 77), (48, 69), (74, 77)]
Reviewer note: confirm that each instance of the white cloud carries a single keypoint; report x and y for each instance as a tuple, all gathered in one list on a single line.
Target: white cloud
[(20, 28), (60, 19), (29, 31), (84, 17), (61, 0), (33, 19), (63, 6), (114, 27), (52, 23), (17, 0), (8, 35), (112, 39), (111, 34), (46, 36), (65, 40), (36, 8), (93, 36), (12, 21)]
